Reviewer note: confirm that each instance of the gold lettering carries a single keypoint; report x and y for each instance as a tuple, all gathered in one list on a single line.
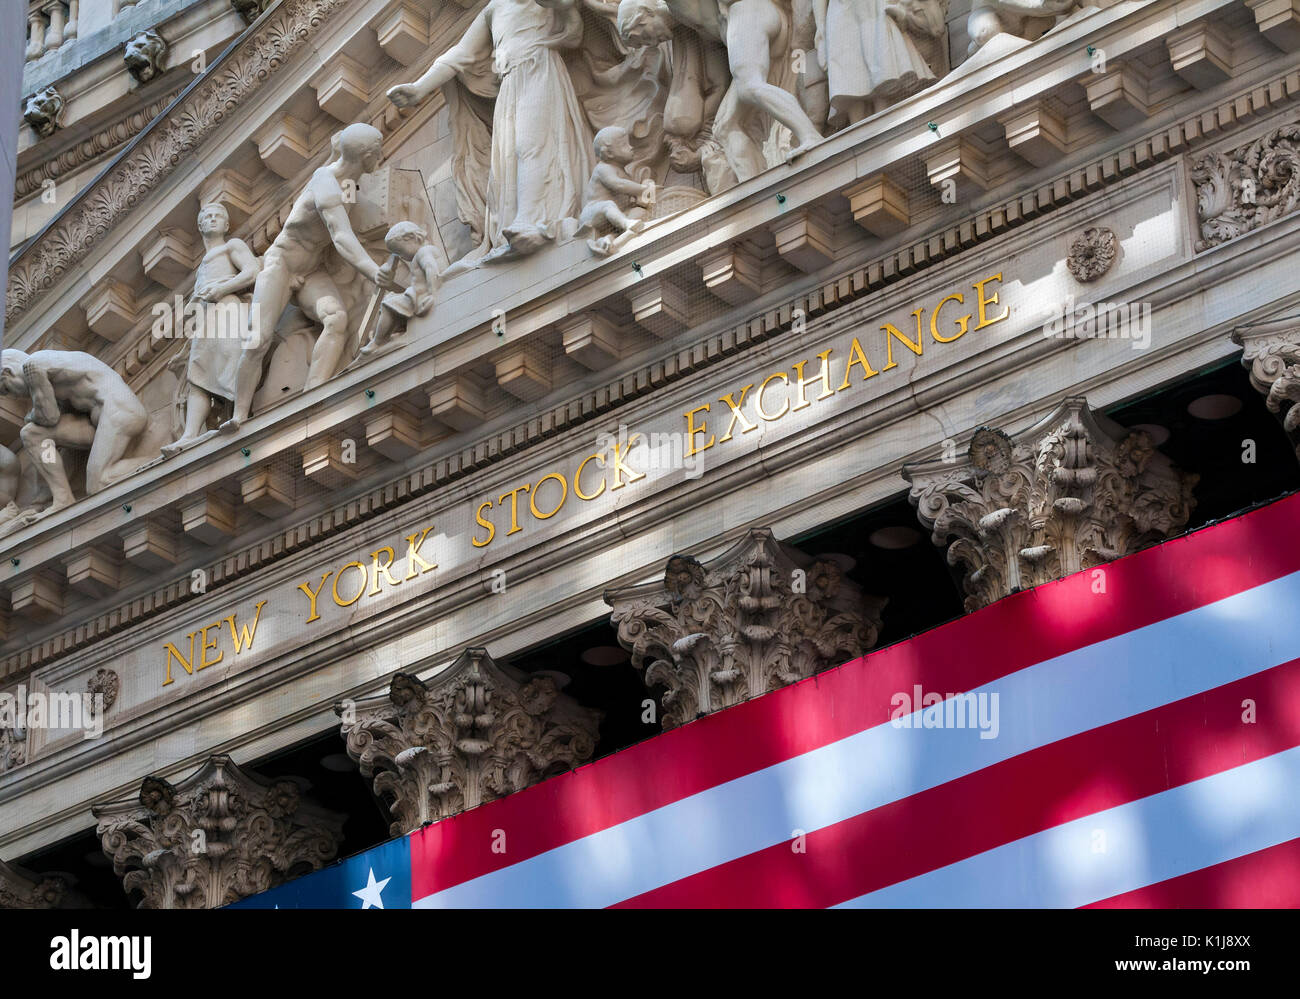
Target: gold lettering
[(172, 651), (376, 569), (247, 635), (514, 509), (564, 495), (856, 356), (758, 403), (204, 661), (892, 334), (620, 468), (692, 430), (306, 588), (360, 589), (413, 555), (824, 378), (984, 302), (492, 531), (962, 321), (577, 478), (736, 414)]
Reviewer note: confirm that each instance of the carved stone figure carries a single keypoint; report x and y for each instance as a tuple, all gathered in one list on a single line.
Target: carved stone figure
[(756, 618), (144, 55), (610, 190), (407, 243), (78, 401), (211, 358), (44, 111), (540, 141), (1027, 19), (475, 732), (220, 835), (10, 472), (1247, 187), (1070, 493), (868, 53), (299, 265), (756, 35), (249, 10)]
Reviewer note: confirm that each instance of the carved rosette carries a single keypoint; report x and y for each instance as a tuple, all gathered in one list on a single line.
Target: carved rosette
[(1070, 493), (1092, 253), (1247, 187), (105, 684), (759, 617), (220, 835), (20, 889), (1271, 353), (475, 732)]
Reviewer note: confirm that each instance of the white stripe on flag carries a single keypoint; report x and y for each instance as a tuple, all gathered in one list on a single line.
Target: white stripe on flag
[(1187, 828), (1041, 704)]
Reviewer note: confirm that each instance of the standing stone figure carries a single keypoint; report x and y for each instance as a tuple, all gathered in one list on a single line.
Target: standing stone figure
[(298, 265), (868, 53), (77, 401), (541, 142), (757, 35), (228, 268)]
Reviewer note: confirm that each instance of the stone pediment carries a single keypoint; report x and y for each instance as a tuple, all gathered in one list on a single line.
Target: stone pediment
[(251, 130)]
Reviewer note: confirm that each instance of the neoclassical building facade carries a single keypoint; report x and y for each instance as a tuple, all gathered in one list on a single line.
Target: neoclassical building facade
[(407, 403)]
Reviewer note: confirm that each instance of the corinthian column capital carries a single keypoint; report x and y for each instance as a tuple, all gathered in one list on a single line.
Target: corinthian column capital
[(1271, 353), (216, 837), (760, 616), (477, 731), (19, 889), (1074, 491)]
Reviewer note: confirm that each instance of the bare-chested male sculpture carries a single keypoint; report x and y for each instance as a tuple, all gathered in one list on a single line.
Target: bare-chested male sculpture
[(77, 401), (295, 265), (754, 33)]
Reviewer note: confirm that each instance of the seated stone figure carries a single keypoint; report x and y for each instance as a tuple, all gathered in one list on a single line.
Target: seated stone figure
[(610, 191), (407, 242), (78, 401)]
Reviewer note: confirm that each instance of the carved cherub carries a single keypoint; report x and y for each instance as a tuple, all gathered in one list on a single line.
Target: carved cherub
[(77, 401), (407, 242), (609, 189)]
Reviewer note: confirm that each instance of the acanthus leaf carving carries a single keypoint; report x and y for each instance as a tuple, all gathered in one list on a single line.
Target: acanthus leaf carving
[(1073, 492), (1244, 188), (761, 616), (474, 733), (1271, 353), (20, 889), (220, 835)]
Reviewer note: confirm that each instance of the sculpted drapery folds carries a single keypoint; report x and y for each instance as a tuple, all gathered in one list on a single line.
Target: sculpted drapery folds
[(220, 835), (527, 87), (1073, 492), (759, 617), (474, 733)]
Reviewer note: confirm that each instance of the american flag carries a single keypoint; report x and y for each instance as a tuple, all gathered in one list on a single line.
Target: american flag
[(1133, 740)]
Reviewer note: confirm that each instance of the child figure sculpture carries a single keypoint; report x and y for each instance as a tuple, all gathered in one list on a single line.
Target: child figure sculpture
[(610, 190), (407, 242)]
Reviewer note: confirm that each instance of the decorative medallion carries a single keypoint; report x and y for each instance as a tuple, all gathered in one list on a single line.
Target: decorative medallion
[(1092, 253)]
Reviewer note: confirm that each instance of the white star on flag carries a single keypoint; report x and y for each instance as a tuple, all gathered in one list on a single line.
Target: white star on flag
[(370, 894)]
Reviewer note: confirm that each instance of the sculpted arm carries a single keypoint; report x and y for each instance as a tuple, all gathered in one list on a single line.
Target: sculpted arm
[(45, 404), (329, 204), (474, 45), (615, 181), (248, 266)]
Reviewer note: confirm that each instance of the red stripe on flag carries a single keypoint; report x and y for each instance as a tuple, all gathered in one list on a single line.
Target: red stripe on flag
[(1266, 879), (970, 652), (1066, 780)]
